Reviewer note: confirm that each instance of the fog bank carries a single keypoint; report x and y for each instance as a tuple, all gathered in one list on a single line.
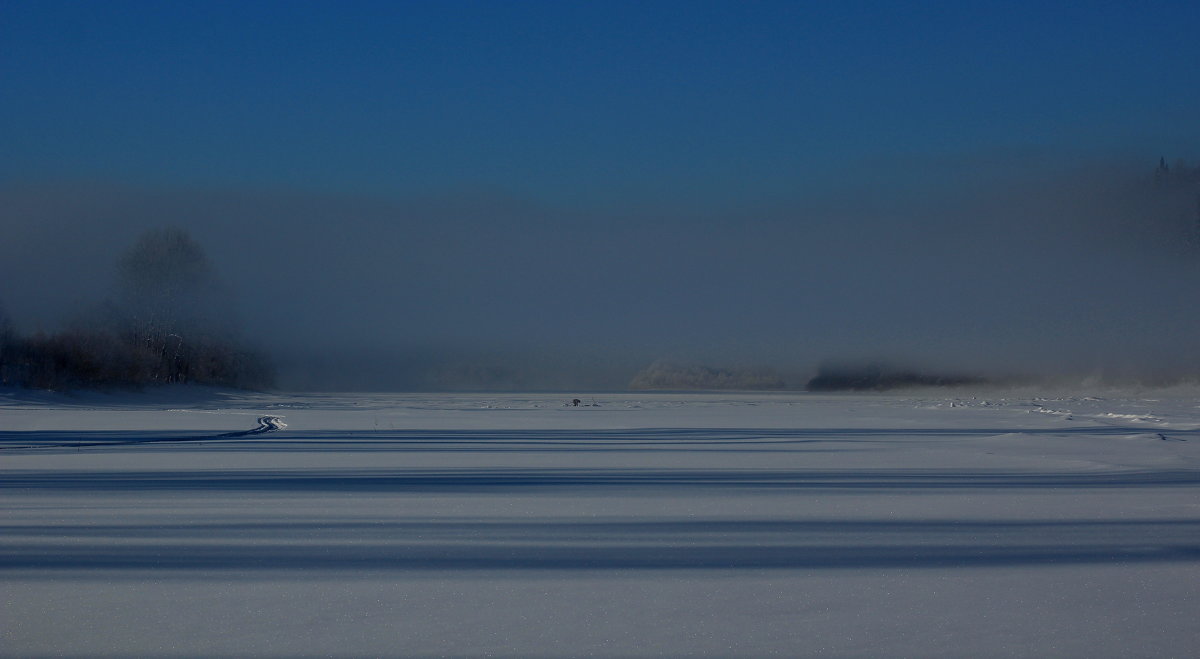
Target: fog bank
[(1082, 270)]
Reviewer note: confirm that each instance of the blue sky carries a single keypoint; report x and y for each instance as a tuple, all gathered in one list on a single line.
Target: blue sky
[(582, 104), (740, 182)]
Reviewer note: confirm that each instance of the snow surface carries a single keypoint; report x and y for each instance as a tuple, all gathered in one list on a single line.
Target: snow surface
[(190, 524)]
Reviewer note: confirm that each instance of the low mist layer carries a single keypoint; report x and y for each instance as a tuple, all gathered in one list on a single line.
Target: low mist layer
[(988, 270)]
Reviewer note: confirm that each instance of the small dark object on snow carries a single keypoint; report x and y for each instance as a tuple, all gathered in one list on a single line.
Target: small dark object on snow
[(575, 402)]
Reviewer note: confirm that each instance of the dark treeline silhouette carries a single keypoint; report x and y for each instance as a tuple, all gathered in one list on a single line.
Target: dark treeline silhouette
[(665, 375), (168, 322), (1180, 183), (1177, 175), (880, 377)]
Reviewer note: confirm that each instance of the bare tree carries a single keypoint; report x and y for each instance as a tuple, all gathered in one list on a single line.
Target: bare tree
[(177, 317), (165, 282)]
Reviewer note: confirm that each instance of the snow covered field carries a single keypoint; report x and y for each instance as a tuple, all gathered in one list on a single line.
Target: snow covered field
[(631, 525)]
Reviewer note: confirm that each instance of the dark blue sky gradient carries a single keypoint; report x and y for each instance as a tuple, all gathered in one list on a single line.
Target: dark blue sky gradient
[(580, 103)]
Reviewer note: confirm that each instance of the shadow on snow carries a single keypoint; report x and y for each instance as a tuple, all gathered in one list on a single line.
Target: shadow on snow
[(580, 545), (263, 438)]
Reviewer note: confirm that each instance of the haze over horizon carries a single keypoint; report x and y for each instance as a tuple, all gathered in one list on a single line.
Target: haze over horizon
[(555, 195)]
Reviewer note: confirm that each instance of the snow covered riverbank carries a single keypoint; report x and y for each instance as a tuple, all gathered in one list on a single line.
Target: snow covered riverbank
[(630, 525)]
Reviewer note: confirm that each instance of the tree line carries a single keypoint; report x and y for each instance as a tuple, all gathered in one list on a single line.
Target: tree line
[(168, 321)]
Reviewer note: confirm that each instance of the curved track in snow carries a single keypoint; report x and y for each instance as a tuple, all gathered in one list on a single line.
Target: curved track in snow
[(266, 424)]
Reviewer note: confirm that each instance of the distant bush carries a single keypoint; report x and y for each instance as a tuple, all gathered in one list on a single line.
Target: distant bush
[(670, 376), (876, 377)]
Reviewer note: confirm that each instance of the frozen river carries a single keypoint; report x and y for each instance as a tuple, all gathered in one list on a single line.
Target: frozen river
[(934, 524)]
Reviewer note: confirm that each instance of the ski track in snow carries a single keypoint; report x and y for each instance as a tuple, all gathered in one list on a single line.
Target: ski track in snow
[(266, 424)]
